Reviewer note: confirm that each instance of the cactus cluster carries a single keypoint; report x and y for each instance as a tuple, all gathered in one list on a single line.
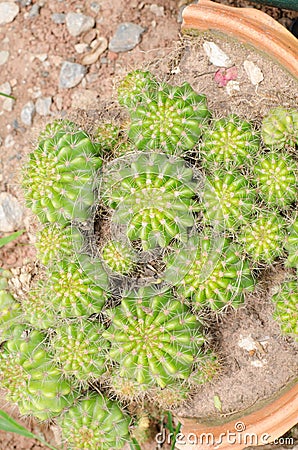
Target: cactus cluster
[(201, 203)]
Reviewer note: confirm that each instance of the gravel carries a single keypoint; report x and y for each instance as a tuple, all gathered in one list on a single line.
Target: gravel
[(4, 55), (43, 105), (8, 12), (11, 213), (71, 74), (127, 37), (78, 23), (27, 113)]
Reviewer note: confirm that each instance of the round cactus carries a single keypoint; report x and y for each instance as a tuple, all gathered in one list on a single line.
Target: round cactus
[(95, 423), (211, 271), (292, 245), (106, 137), (153, 196), (37, 311), (280, 127), (77, 288), (228, 200), (59, 176), (275, 175), (154, 338), (80, 349), (286, 307), (125, 389), (31, 379), (136, 87), (173, 122), (263, 237), (10, 310), (55, 242), (118, 256), (228, 142)]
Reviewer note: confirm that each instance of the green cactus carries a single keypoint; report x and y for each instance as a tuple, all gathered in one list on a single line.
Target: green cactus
[(276, 179), (80, 349), (106, 136), (10, 309), (263, 237), (172, 122), (136, 87), (54, 242), (118, 256), (124, 388), (154, 338), (37, 311), (153, 196), (77, 288), (280, 127), (95, 423), (30, 377), (59, 176), (292, 245), (286, 308), (229, 142), (211, 271), (228, 200)]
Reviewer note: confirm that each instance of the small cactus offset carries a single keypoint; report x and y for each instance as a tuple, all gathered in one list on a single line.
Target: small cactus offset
[(228, 200), (292, 245), (263, 237), (172, 122), (280, 127), (59, 177), (138, 86), (229, 142), (10, 309), (55, 242), (80, 349), (95, 422), (276, 179), (154, 338), (118, 256), (286, 308), (153, 196), (211, 271)]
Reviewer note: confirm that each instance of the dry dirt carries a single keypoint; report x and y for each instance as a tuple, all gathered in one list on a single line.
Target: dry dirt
[(31, 76)]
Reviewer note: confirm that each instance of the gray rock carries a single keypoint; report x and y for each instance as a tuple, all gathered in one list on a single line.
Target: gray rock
[(71, 74), (95, 7), (9, 141), (34, 10), (26, 2), (4, 55), (5, 88), (8, 12), (11, 213), (27, 113), (43, 105), (78, 23), (127, 36), (58, 18)]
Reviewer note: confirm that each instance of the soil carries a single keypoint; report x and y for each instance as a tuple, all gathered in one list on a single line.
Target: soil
[(245, 377)]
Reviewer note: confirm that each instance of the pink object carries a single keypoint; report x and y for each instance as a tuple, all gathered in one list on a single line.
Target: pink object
[(223, 76)]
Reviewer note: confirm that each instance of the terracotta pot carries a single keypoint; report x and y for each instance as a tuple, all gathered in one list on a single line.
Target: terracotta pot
[(248, 25), (270, 420), (257, 427)]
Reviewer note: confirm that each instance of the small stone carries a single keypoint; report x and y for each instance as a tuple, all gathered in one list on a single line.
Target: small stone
[(5, 88), (8, 12), (253, 72), (11, 213), (58, 18), (8, 104), (58, 102), (95, 7), (158, 11), (9, 141), (42, 57), (71, 74), (34, 10), (90, 36), (81, 48), (4, 55), (232, 87), (27, 113), (26, 2), (78, 23), (43, 105), (127, 37), (216, 56)]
